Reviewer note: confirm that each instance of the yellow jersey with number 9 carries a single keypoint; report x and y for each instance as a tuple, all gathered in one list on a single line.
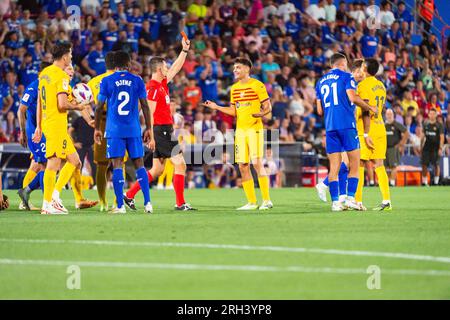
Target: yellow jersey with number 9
[(247, 99), (373, 92), (52, 82)]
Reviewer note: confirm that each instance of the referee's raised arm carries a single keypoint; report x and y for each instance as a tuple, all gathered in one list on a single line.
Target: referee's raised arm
[(178, 64)]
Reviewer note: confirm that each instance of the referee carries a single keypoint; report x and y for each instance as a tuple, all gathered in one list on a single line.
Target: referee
[(432, 142), (397, 135), (165, 143)]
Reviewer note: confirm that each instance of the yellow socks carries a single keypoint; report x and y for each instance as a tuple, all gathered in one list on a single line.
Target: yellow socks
[(64, 176), (383, 182), (249, 189), (29, 176), (49, 184), (169, 174), (358, 194), (75, 183), (264, 187), (100, 179)]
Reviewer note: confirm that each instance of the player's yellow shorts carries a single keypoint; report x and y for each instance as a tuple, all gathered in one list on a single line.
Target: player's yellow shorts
[(379, 151), (248, 144), (58, 144)]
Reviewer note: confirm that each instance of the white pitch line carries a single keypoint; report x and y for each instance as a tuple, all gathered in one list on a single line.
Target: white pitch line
[(212, 267), (394, 255)]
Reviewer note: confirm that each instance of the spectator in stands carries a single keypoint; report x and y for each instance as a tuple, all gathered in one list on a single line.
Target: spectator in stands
[(386, 15), (94, 62), (432, 104), (269, 66), (409, 102), (368, 46), (316, 11), (427, 11)]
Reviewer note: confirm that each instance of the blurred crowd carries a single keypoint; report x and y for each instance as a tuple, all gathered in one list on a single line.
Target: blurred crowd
[(289, 43)]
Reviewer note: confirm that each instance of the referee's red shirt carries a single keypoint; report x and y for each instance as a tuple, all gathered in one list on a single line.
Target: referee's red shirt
[(159, 92)]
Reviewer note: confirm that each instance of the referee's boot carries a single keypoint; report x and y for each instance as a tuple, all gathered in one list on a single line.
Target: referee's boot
[(185, 207)]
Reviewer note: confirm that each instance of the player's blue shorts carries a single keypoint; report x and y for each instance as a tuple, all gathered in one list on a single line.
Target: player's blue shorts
[(115, 147), (342, 140), (38, 150)]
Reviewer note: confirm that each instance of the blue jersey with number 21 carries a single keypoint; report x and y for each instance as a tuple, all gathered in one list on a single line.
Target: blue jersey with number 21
[(331, 90), (122, 91)]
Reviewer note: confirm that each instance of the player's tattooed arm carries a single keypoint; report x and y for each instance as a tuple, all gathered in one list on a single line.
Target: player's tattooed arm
[(366, 125), (38, 131), (22, 115), (98, 115), (65, 105), (354, 98), (266, 109), (148, 115), (231, 110)]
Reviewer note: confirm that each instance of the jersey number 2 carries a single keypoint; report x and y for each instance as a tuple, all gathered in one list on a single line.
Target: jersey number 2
[(123, 95), (325, 90)]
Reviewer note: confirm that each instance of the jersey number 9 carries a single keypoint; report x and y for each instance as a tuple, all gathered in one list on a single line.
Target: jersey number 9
[(43, 98)]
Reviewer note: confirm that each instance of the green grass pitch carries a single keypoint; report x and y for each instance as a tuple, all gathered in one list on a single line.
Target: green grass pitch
[(298, 250)]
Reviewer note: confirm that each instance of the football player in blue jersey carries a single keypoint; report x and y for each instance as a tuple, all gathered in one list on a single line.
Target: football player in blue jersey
[(336, 97), (123, 91), (27, 121)]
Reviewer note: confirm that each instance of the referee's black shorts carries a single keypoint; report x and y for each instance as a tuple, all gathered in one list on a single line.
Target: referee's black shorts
[(166, 143)]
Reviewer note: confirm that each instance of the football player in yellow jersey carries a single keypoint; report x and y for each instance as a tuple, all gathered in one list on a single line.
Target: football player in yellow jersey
[(75, 181), (54, 92), (249, 103), (371, 129)]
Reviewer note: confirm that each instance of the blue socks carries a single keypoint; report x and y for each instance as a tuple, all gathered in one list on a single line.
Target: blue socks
[(326, 182), (142, 178), (343, 174), (37, 182), (118, 182), (352, 185), (41, 180), (334, 190)]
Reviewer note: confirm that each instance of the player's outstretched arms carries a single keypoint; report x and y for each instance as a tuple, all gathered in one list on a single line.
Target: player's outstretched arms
[(266, 109), (354, 98), (227, 110)]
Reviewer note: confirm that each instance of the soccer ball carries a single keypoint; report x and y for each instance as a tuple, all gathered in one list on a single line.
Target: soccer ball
[(82, 93)]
